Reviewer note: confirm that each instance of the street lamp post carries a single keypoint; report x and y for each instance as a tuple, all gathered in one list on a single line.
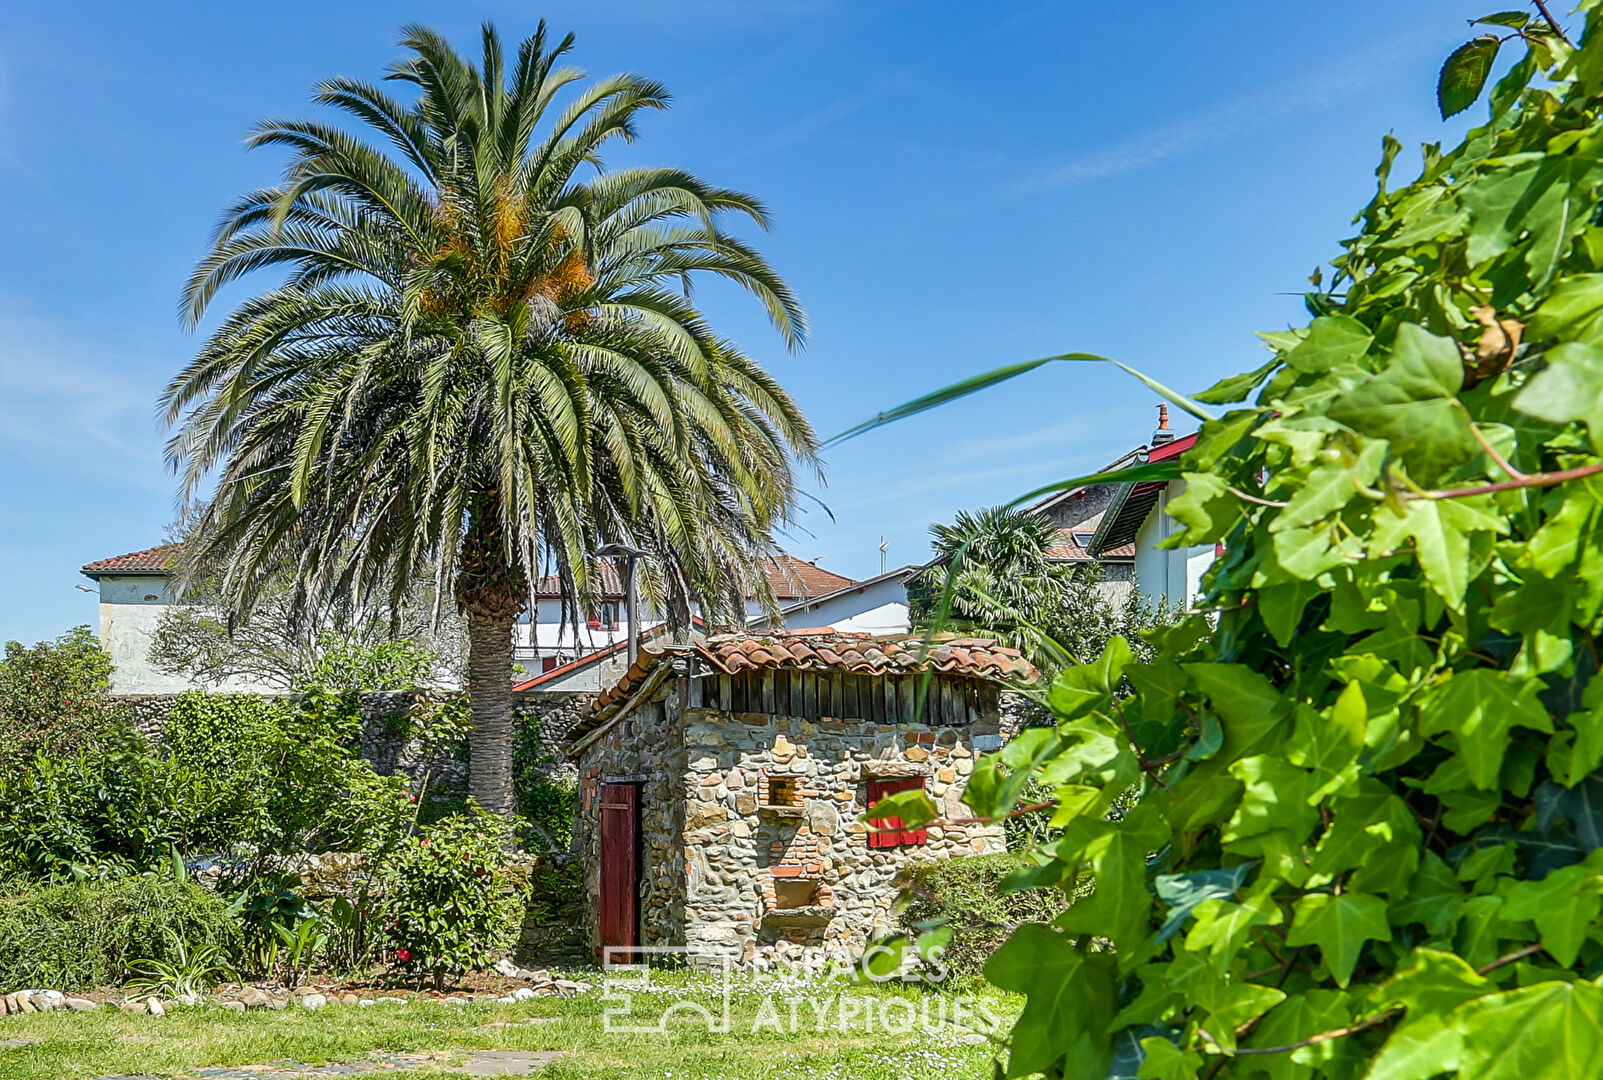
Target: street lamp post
[(630, 555)]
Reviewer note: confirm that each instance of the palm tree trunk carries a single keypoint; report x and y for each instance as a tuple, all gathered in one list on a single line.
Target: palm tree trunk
[(490, 695)]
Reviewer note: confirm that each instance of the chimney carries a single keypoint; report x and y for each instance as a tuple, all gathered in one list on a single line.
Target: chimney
[(1163, 434)]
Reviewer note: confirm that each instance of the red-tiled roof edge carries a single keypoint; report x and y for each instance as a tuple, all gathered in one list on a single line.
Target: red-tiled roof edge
[(149, 561), (822, 650)]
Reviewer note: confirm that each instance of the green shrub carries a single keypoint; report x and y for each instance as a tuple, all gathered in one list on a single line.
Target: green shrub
[(53, 696), (110, 809), (89, 933), (449, 903), (284, 777), (966, 894)]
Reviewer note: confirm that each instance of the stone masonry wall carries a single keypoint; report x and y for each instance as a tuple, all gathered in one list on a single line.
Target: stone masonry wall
[(788, 886), (645, 748)]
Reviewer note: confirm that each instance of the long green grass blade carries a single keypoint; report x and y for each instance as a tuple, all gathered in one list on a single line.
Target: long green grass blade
[(975, 383)]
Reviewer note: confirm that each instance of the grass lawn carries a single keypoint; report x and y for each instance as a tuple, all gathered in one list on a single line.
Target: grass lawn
[(789, 1030)]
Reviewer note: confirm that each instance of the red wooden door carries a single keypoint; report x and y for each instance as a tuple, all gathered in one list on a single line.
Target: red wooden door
[(620, 867)]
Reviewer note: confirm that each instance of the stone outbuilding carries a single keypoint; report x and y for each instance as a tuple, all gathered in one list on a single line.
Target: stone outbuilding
[(723, 782)]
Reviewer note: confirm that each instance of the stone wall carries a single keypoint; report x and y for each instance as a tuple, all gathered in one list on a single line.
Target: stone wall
[(645, 748), (728, 869)]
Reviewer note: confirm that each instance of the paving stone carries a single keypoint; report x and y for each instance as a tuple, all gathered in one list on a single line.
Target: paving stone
[(509, 1062)]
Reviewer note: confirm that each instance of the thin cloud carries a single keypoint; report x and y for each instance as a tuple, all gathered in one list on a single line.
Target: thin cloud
[(64, 400), (1254, 111)]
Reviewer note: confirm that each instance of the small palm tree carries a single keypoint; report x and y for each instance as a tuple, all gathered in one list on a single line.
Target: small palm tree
[(1002, 577), (484, 363)]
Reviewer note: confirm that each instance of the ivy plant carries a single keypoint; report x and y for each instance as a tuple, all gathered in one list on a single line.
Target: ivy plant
[(1368, 840)]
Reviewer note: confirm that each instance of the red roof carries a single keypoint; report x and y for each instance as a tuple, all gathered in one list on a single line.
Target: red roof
[(789, 577), (150, 561), (824, 649), (1070, 547)]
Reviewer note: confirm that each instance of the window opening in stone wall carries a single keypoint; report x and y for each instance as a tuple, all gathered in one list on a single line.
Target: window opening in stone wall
[(790, 893), (888, 831), (784, 791)]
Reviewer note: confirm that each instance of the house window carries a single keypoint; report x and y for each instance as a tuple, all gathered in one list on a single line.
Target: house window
[(609, 616), (549, 663), (888, 831)]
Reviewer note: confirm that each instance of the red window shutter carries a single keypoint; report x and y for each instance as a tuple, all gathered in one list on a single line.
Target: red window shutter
[(892, 834)]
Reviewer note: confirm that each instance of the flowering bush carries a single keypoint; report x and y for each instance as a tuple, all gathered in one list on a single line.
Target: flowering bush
[(449, 903)]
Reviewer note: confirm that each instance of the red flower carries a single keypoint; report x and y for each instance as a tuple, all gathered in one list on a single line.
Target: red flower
[(424, 841), (403, 955)]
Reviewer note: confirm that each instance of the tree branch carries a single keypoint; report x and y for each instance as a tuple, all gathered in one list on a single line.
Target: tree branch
[(1541, 5), (1528, 481), (1517, 954), (1312, 1040)]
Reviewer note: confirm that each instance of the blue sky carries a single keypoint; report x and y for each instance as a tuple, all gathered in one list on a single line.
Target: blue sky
[(956, 185)]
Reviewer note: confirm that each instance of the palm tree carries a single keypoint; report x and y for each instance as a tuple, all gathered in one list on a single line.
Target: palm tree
[(1003, 580), (484, 362)]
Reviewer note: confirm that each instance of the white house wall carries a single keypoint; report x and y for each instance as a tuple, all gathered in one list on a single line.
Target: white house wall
[(130, 612), (1174, 575)]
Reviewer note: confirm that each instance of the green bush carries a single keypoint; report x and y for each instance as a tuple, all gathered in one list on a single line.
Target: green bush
[(449, 903), (284, 777), (89, 933), (966, 894), (547, 803), (53, 696), (110, 809)]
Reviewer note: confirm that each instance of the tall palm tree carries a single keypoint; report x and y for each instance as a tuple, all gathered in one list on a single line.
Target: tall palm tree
[(483, 363)]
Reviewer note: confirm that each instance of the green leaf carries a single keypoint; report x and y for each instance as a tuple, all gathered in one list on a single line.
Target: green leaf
[(1413, 402), (975, 383), (1222, 926), (1329, 742), (1423, 1044), (1205, 508), (1251, 707), (1463, 76), (1120, 903), (1540, 203), (1573, 311), (1339, 925), (1564, 905), (1068, 1003), (1479, 708), (1515, 19), (1166, 1061), (1569, 389), (1440, 532), (1332, 341), (1236, 387), (1549, 1031), (914, 807), (1183, 892)]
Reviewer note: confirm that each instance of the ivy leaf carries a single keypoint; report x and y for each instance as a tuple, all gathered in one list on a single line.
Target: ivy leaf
[(1329, 742), (1222, 926), (1082, 688), (1068, 1002), (1440, 530), (1339, 925), (1541, 202), (1423, 1044), (1413, 402), (1479, 708), (1332, 341), (1183, 892), (1569, 389), (1166, 1061), (1129, 1051), (1118, 907), (1573, 311), (1248, 702), (1236, 387), (1463, 76), (1581, 805), (1563, 905), (1549, 1031)]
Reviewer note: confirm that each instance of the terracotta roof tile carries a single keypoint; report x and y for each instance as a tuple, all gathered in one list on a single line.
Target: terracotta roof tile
[(790, 578), (825, 650), (150, 561), (1069, 547)]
